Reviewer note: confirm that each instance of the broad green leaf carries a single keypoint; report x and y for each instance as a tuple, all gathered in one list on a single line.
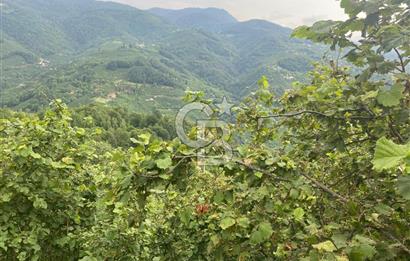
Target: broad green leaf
[(266, 229), (263, 233), (392, 97), (326, 246), (388, 154), (164, 163), (383, 209), (227, 223), (144, 138), (403, 187), (185, 215), (243, 222), (256, 237), (362, 248), (340, 240), (362, 252)]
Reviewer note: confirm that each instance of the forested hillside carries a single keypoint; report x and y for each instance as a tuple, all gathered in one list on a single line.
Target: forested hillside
[(319, 171), (108, 52)]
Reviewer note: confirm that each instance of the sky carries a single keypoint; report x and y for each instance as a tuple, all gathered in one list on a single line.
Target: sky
[(290, 13)]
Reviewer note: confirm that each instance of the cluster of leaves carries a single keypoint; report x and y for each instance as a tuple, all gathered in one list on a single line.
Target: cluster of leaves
[(47, 169), (321, 173)]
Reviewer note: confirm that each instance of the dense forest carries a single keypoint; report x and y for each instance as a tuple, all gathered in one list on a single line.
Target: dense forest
[(319, 171)]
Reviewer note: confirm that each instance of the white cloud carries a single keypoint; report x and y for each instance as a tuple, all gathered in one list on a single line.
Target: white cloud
[(286, 12)]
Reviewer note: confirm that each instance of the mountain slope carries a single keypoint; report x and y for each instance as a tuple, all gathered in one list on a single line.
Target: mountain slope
[(48, 27), (257, 46), (86, 51)]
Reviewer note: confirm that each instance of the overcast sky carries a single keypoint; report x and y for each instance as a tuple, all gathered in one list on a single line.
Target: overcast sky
[(290, 13)]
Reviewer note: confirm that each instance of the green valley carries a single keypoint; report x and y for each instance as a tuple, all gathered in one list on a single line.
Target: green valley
[(89, 51)]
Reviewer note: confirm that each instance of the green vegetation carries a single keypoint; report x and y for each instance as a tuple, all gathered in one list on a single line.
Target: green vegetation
[(321, 172), (198, 49), (118, 125)]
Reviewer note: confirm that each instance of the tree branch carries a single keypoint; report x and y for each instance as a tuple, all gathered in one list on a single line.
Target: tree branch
[(392, 237), (317, 183), (394, 131), (325, 188), (403, 67), (321, 114)]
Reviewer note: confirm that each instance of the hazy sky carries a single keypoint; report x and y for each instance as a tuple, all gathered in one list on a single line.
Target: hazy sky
[(285, 12)]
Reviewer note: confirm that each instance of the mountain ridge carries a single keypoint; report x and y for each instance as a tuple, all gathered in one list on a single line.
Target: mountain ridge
[(209, 19), (83, 49)]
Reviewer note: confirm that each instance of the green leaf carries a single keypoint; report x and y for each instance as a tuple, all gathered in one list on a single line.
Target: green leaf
[(263, 233), (301, 32), (6, 197), (383, 209), (81, 131), (323, 27), (258, 174), (185, 216), (266, 229), (362, 248), (263, 82), (298, 214), (35, 155), (389, 155), (403, 187), (164, 163), (227, 223), (350, 7), (144, 138), (362, 252), (326, 246), (340, 240), (392, 97), (243, 222), (40, 203)]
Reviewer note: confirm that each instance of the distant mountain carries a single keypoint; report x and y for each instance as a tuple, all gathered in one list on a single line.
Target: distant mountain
[(85, 51), (209, 19), (48, 27), (259, 46)]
